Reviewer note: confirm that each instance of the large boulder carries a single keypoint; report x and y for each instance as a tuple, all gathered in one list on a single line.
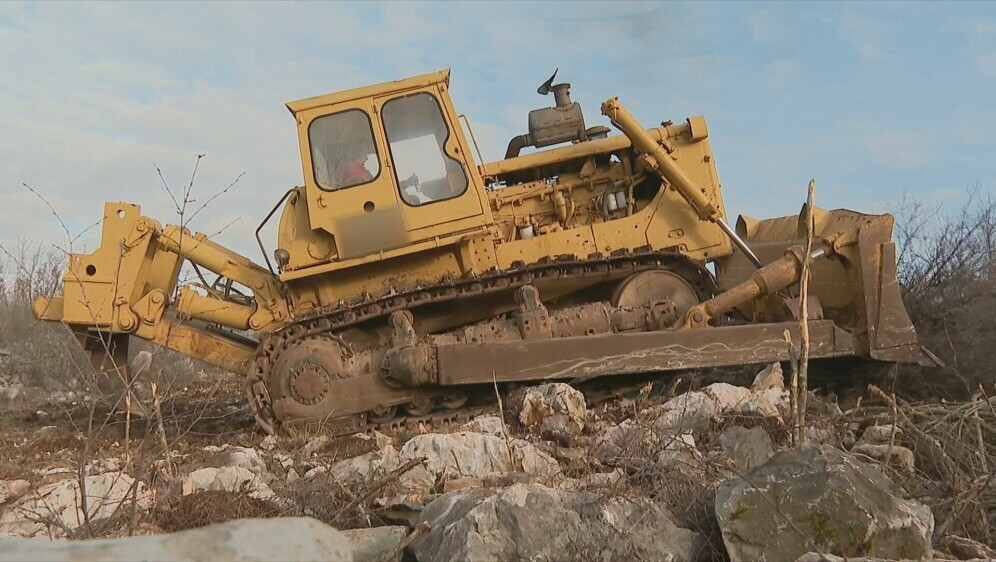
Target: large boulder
[(54, 508), (533, 522), (246, 540), (819, 499)]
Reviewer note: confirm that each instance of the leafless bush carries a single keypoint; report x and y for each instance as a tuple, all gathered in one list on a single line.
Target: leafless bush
[(955, 448), (40, 354), (177, 513), (947, 271)]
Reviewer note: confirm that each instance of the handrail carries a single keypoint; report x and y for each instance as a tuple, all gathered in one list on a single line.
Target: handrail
[(262, 224)]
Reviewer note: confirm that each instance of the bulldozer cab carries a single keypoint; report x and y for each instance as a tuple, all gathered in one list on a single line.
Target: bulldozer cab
[(387, 166)]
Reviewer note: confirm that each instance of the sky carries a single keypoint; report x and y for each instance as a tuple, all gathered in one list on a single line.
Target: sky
[(877, 101)]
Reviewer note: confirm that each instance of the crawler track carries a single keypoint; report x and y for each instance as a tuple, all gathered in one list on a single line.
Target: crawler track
[(333, 320)]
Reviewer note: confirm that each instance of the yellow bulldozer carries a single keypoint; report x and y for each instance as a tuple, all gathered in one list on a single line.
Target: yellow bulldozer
[(407, 279)]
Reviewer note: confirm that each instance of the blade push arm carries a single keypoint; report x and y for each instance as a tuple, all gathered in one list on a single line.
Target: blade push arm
[(704, 206)]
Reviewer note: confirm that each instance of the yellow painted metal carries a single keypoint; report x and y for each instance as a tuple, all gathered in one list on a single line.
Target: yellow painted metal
[(214, 310), (696, 196), (346, 244)]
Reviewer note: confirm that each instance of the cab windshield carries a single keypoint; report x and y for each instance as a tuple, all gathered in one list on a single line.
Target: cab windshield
[(417, 134)]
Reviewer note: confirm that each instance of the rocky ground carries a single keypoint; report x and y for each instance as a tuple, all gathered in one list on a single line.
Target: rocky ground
[(680, 470)]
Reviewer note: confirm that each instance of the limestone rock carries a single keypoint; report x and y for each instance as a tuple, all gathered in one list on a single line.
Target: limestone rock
[(268, 443), (533, 522), (45, 511), (680, 448), (368, 468), (10, 393), (900, 457), (657, 425), (228, 479), (485, 424), (769, 377), (377, 544), (242, 457), (725, 396), (748, 448), (246, 540), (765, 403), (11, 490), (560, 429), (314, 445), (477, 454), (966, 549), (107, 464), (536, 404), (822, 497), (447, 457), (879, 435)]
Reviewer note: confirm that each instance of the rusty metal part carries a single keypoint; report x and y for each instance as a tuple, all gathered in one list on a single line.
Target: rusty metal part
[(453, 401), (382, 414), (641, 352), (420, 406), (765, 281), (655, 286), (407, 369), (532, 318)]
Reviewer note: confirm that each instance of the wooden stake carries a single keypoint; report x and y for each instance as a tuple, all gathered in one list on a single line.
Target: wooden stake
[(804, 315)]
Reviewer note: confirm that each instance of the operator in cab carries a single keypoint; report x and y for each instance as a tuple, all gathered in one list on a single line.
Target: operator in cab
[(352, 170)]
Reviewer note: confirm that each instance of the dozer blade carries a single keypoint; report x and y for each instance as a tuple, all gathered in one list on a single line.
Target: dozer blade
[(857, 287)]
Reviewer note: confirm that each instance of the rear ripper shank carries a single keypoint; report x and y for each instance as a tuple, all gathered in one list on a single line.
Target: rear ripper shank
[(407, 277)]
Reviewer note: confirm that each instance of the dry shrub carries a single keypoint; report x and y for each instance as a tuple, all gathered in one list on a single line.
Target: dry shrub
[(327, 499), (947, 270), (955, 449), (178, 513), (42, 354)]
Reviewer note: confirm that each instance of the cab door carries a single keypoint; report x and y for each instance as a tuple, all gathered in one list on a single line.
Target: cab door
[(351, 191), (439, 189)]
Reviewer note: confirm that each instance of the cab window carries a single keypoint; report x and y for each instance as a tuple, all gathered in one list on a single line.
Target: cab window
[(343, 153), (416, 134)]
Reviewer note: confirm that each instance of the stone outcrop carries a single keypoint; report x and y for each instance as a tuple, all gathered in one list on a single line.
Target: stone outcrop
[(819, 499), (447, 457), (53, 508), (246, 540), (533, 522)]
